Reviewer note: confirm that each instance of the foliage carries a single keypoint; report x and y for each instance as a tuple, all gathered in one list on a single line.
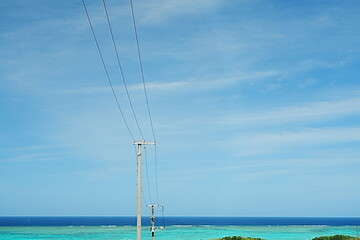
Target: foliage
[(239, 238), (336, 237)]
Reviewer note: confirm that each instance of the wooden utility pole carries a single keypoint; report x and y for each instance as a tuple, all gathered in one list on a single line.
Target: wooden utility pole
[(140, 144)]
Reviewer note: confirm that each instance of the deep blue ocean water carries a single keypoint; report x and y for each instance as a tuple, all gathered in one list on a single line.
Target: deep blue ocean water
[(170, 221)]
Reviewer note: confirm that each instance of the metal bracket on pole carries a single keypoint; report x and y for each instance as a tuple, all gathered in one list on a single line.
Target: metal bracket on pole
[(152, 219)]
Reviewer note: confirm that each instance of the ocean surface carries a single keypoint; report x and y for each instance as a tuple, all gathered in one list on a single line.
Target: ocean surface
[(176, 228)]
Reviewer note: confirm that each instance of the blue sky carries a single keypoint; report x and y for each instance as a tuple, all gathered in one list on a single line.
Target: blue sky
[(255, 104)]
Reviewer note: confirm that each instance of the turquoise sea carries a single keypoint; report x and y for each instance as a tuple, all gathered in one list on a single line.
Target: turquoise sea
[(178, 228), (173, 232)]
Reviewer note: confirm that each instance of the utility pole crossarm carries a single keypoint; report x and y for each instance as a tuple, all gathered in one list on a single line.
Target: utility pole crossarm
[(142, 142)]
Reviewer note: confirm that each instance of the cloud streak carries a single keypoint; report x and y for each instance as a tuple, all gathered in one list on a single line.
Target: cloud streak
[(35, 157), (159, 11), (316, 111), (183, 86), (285, 141)]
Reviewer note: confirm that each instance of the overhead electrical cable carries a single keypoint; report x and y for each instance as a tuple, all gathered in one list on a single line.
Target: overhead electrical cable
[(121, 70), (147, 175), (140, 189), (156, 176), (145, 92), (141, 68), (106, 71)]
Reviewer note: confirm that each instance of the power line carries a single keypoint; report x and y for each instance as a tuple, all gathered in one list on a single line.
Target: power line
[(121, 70), (156, 176), (106, 71), (146, 97), (147, 175), (141, 68)]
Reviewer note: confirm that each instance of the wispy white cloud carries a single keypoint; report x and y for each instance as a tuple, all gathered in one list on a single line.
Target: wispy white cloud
[(103, 173), (238, 50), (185, 85), (264, 174), (29, 148), (261, 143), (158, 11), (210, 84), (94, 134), (310, 64), (316, 111), (34, 157)]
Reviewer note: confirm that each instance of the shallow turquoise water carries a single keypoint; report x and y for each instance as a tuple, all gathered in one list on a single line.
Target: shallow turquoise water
[(174, 232)]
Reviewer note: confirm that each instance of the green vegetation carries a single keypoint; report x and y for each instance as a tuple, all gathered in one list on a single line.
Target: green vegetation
[(336, 237), (238, 238)]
